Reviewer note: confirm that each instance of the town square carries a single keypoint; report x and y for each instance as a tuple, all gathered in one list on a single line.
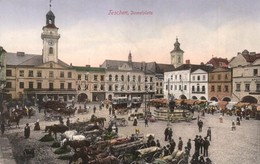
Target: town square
[(127, 82)]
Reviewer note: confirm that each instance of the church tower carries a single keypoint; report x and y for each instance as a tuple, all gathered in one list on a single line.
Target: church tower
[(177, 55), (50, 37)]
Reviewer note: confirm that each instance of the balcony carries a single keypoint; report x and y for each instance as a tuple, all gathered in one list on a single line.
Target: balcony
[(256, 92), (198, 92)]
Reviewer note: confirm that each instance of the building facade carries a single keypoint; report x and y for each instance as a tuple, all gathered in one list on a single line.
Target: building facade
[(246, 77)]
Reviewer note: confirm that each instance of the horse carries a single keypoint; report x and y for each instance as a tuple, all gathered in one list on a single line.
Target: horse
[(100, 120), (56, 129), (75, 144)]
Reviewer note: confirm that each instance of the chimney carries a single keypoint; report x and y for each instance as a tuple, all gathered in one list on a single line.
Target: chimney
[(88, 66), (187, 61)]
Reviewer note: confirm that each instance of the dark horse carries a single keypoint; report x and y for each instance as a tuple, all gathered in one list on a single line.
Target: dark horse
[(56, 129), (100, 120)]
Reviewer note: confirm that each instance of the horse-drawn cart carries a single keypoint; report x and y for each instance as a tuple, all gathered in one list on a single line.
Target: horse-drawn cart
[(118, 122)]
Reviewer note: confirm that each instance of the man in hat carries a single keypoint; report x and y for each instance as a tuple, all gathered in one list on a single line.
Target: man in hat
[(209, 133)]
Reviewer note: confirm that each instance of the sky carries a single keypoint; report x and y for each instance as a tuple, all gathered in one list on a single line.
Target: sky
[(90, 35)]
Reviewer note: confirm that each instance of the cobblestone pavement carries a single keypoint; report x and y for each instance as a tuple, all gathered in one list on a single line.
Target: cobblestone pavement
[(227, 147)]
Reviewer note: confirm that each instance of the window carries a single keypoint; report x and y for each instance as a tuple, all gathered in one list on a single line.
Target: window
[(79, 76), (204, 77), (21, 73), (8, 72), (110, 77), (203, 88), (193, 88), (185, 87), (102, 78), (139, 88), (175, 77), (257, 87), (102, 87), (180, 77), (157, 84), (39, 85), (151, 87), (134, 78), (39, 73), (30, 74), (212, 88), (95, 77), (180, 88), (95, 87), (133, 88), (122, 87), (160, 83), (161, 91), (255, 72), (151, 79), (122, 78), (171, 87), (198, 88), (69, 85), (8, 85), (166, 87), (247, 87), (226, 88), (86, 77), (198, 78), (50, 86), (116, 87), (69, 75), (145, 79), (51, 74), (193, 78), (30, 85), (128, 87), (128, 78), (139, 78), (179, 59), (175, 87), (21, 84), (116, 78), (62, 86), (238, 87), (226, 76), (219, 88), (62, 74), (110, 88), (219, 77), (50, 50), (171, 77)]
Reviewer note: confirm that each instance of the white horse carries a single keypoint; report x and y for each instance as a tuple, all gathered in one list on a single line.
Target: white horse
[(71, 135)]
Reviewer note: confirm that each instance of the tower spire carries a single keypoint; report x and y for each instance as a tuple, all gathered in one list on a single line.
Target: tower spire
[(50, 4)]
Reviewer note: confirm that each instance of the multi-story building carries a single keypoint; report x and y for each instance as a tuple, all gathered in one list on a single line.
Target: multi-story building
[(220, 84), (134, 79), (90, 83), (37, 76), (246, 77), (2, 75), (188, 81)]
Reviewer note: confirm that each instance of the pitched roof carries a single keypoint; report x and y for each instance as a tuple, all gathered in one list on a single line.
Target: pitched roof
[(22, 59), (194, 67), (91, 69), (250, 58), (218, 62)]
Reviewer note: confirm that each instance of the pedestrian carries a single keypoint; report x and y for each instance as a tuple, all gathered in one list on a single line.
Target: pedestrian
[(68, 122), (30, 112), (135, 121), (110, 110), (200, 125), (172, 145), (170, 134), (201, 143), (146, 122), (233, 127), (196, 143), (180, 144), (238, 121), (206, 146), (189, 146), (220, 119), (94, 109), (61, 120), (2, 128), (37, 125), (209, 133), (27, 131), (166, 132), (158, 143)]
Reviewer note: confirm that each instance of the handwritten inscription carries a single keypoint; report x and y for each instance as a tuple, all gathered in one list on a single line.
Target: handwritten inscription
[(127, 12)]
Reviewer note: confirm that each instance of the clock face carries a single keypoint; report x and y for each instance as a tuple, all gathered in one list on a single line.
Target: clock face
[(50, 42)]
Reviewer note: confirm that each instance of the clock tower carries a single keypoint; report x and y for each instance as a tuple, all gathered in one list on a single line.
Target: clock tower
[(50, 37), (177, 55)]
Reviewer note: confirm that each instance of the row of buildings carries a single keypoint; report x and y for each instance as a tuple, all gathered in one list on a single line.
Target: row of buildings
[(36, 77)]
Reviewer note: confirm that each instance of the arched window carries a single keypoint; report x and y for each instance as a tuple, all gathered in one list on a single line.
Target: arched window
[(122, 78), (50, 50), (116, 78), (110, 77)]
